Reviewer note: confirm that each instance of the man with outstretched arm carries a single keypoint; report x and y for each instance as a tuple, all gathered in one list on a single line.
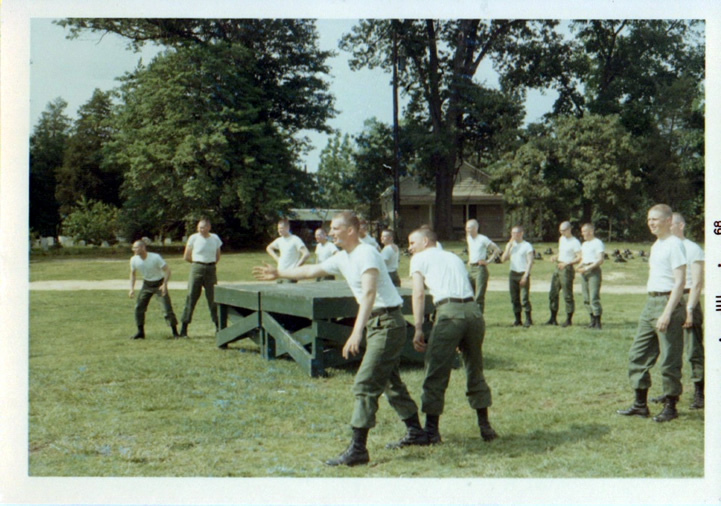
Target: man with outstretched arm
[(458, 325), (660, 326), (379, 314), (156, 274)]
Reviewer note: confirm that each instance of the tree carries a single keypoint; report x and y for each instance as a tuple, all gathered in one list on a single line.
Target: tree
[(336, 171), (194, 139), (440, 59), (86, 172), (47, 145), (91, 221), (584, 169)]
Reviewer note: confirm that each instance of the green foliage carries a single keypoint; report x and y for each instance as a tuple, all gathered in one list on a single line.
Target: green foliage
[(91, 221), (335, 175), (580, 169), (86, 171), (47, 146)]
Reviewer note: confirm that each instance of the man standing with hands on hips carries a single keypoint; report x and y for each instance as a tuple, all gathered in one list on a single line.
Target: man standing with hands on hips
[(562, 278), (458, 324), (203, 251), (379, 314), (590, 269), (479, 248), (520, 253), (660, 326)]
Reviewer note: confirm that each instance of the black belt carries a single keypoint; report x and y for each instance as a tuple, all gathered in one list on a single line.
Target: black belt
[(686, 290), (205, 263), (383, 310), (453, 299), (658, 294)]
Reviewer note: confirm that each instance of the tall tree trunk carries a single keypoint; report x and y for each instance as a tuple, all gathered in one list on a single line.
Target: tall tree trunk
[(445, 172)]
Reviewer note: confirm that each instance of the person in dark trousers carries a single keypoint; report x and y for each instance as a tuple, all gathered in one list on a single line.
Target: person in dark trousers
[(562, 278), (520, 254)]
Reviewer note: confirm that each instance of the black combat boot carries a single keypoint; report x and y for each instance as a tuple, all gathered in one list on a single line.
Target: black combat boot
[(659, 400), (183, 330), (528, 321), (552, 319), (639, 407), (669, 410), (415, 435), (140, 334), (592, 322), (174, 328), (431, 429), (567, 323), (598, 322), (698, 398), (356, 453), (517, 323), (487, 432)]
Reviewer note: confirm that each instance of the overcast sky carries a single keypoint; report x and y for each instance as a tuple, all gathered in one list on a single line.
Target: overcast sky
[(72, 69)]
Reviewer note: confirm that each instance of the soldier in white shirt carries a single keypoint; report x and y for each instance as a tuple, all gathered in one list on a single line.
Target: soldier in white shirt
[(391, 256), (203, 251), (660, 327), (324, 249), (365, 237), (379, 314), (458, 325), (481, 252), (156, 274), (591, 257), (521, 257), (693, 326), (562, 278), (287, 250)]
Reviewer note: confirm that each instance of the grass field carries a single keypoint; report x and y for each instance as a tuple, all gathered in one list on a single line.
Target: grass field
[(103, 405)]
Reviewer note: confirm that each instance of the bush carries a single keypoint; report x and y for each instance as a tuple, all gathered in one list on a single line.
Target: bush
[(92, 221)]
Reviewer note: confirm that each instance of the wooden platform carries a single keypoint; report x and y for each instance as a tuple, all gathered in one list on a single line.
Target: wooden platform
[(307, 321)]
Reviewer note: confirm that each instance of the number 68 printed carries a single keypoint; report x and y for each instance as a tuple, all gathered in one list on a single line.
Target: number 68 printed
[(717, 227)]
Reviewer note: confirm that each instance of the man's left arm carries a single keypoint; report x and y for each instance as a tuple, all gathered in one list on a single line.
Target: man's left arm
[(679, 281), (166, 278), (304, 254), (418, 300), (369, 282), (694, 295), (529, 265)]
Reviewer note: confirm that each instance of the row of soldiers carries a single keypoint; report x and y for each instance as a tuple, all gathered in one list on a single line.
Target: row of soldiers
[(459, 324)]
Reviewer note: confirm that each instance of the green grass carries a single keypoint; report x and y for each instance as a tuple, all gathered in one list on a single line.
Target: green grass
[(103, 405), (236, 267)]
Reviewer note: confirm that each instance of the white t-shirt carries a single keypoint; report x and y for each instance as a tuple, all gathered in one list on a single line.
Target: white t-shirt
[(567, 249), (666, 255), (391, 256), (439, 245), (151, 268), (324, 251), (519, 255), (369, 240), (352, 266), (204, 249), (444, 274), (289, 248), (477, 248), (694, 254), (590, 250)]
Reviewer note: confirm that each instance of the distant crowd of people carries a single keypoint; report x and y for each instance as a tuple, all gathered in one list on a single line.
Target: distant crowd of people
[(671, 320)]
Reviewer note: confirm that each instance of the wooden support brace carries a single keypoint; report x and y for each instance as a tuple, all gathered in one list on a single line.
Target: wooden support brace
[(274, 331), (238, 330)]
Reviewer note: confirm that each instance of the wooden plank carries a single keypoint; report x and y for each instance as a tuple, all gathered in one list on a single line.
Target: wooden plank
[(239, 295), (297, 351), (332, 331), (238, 330)]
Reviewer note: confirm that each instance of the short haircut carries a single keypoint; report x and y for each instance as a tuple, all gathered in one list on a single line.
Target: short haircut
[(517, 227), (665, 210), (679, 218), (589, 226), (320, 229), (386, 231), (473, 222), (426, 231), (205, 219), (284, 221), (564, 225), (349, 219)]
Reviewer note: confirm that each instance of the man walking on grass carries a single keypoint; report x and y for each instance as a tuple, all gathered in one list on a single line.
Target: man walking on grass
[(202, 251), (660, 326), (458, 325), (156, 274), (379, 314)]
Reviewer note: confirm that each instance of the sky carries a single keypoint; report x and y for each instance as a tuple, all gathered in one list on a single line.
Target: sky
[(73, 69)]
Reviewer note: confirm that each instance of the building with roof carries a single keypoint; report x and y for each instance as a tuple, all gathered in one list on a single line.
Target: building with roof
[(471, 199)]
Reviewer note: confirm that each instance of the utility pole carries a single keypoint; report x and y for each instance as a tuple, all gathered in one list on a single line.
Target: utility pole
[(396, 153)]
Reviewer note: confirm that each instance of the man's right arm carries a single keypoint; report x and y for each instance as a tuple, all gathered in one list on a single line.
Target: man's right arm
[(418, 301), (132, 283), (188, 253)]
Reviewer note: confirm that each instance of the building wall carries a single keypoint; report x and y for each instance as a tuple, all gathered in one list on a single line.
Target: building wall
[(489, 216)]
